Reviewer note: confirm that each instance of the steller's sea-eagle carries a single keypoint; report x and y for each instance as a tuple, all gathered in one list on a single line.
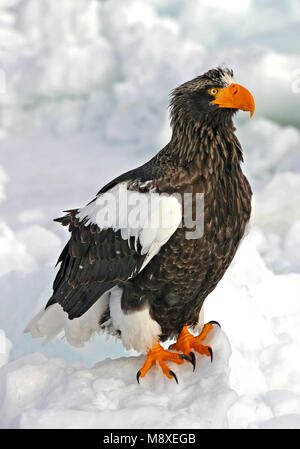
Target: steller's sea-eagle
[(138, 265)]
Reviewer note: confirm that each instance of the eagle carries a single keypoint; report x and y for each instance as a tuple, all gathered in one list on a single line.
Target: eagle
[(138, 264)]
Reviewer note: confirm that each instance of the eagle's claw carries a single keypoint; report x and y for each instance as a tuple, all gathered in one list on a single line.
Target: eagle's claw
[(190, 358), (211, 353), (186, 341), (174, 375), (214, 322), (157, 354)]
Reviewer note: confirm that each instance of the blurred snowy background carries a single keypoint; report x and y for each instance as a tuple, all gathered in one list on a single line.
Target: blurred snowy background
[(84, 90)]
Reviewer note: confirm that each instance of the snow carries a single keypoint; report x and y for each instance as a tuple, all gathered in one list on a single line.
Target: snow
[(84, 92), (46, 393)]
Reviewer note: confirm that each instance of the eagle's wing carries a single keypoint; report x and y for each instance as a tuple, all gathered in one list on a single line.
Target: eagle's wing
[(112, 239)]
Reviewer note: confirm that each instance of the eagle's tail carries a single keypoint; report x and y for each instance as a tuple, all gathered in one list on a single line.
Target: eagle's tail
[(61, 315)]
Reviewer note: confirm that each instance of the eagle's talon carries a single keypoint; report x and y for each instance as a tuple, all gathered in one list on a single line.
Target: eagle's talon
[(174, 375), (190, 358), (214, 322), (158, 354), (211, 353), (193, 360), (186, 341)]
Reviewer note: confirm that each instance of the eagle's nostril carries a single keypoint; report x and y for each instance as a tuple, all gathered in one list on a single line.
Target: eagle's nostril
[(234, 89)]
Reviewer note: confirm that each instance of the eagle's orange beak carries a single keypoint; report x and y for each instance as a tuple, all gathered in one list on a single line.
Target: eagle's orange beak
[(235, 96)]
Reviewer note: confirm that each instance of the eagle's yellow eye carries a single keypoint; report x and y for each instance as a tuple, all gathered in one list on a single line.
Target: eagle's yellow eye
[(213, 91)]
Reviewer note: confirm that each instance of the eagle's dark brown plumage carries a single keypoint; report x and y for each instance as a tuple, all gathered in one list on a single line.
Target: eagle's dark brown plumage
[(203, 156)]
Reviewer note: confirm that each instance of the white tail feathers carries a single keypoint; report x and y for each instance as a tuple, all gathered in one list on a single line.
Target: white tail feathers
[(51, 321)]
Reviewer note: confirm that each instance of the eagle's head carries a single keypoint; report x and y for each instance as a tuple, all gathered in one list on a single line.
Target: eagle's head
[(213, 97)]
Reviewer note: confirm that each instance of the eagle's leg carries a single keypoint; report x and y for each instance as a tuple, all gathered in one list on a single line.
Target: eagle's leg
[(186, 341), (158, 354)]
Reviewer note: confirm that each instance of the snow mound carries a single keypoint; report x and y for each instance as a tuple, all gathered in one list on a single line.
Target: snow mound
[(46, 393)]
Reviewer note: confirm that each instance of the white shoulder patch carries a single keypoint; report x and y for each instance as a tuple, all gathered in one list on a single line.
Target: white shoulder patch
[(149, 217)]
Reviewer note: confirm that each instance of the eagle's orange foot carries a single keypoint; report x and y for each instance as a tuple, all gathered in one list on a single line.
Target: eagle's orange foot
[(158, 354), (186, 341)]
